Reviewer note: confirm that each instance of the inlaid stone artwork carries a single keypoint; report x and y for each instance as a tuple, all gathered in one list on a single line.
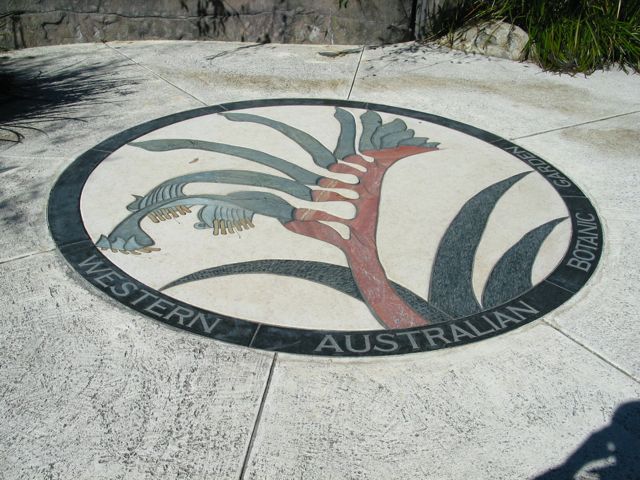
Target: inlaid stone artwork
[(325, 227)]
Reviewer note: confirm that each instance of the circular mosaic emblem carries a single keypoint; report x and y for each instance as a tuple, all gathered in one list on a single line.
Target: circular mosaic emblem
[(325, 227)]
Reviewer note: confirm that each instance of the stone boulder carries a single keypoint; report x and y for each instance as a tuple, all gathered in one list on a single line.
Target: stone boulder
[(495, 39)]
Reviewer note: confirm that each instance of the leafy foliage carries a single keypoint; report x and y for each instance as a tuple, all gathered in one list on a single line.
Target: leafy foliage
[(575, 36)]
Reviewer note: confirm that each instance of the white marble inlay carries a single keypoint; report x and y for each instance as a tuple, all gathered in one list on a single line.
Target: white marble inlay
[(420, 196)]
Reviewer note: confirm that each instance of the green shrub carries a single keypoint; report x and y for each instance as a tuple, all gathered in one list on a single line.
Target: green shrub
[(564, 35)]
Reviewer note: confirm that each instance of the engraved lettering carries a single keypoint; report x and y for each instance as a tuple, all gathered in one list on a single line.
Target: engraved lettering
[(459, 333), (144, 296), (206, 326), (329, 342), (127, 288), (575, 263), (92, 263), (181, 312), (582, 254), (364, 349), (488, 320), (107, 276), (385, 339), (518, 311), (475, 330), (410, 336), (434, 333), (161, 304), (503, 319)]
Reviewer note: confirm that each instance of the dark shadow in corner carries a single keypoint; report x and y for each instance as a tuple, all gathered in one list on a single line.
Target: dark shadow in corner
[(613, 451), (212, 17), (33, 94)]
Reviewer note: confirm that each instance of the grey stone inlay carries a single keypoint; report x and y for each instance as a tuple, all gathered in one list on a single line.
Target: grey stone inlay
[(129, 235), (173, 187), (347, 139), (294, 171), (6, 169), (371, 121), (311, 330), (320, 154), (375, 135)]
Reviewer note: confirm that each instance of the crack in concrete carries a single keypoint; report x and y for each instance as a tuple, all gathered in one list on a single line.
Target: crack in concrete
[(25, 255), (154, 73), (593, 352), (589, 122), (355, 75), (245, 463)]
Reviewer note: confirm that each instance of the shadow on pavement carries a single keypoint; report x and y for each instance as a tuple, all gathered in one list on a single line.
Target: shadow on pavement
[(611, 453), (33, 93)]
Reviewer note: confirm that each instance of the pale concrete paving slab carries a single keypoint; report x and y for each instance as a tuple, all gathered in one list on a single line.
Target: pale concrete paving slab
[(510, 407), (26, 183), (508, 98), (215, 72), (90, 390), (604, 155), (147, 402)]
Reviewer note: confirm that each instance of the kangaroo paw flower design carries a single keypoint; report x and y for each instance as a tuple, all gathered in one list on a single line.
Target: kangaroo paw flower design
[(385, 143)]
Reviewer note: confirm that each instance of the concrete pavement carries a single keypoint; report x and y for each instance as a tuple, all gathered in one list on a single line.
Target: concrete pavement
[(92, 389)]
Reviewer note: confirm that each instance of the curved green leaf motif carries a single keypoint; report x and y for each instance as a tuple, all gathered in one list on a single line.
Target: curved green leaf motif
[(173, 188), (451, 288), (128, 235), (376, 135), (346, 145), (319, 153), (393, 127), (335, 276), (293, 171), (391, 140), (370, 121), (511, 276)]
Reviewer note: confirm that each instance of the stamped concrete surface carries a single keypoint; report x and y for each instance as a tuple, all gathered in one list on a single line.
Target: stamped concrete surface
[(91, 389)]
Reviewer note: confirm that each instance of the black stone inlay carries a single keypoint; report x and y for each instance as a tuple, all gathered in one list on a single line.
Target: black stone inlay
[(585, 248), (512, 274), (571, 274), (334, 276), (451, 278)]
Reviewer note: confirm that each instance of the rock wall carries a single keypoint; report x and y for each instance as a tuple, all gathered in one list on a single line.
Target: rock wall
[(28, 23)]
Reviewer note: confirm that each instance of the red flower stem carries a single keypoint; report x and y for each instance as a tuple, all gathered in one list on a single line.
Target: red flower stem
[(360, 248)]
